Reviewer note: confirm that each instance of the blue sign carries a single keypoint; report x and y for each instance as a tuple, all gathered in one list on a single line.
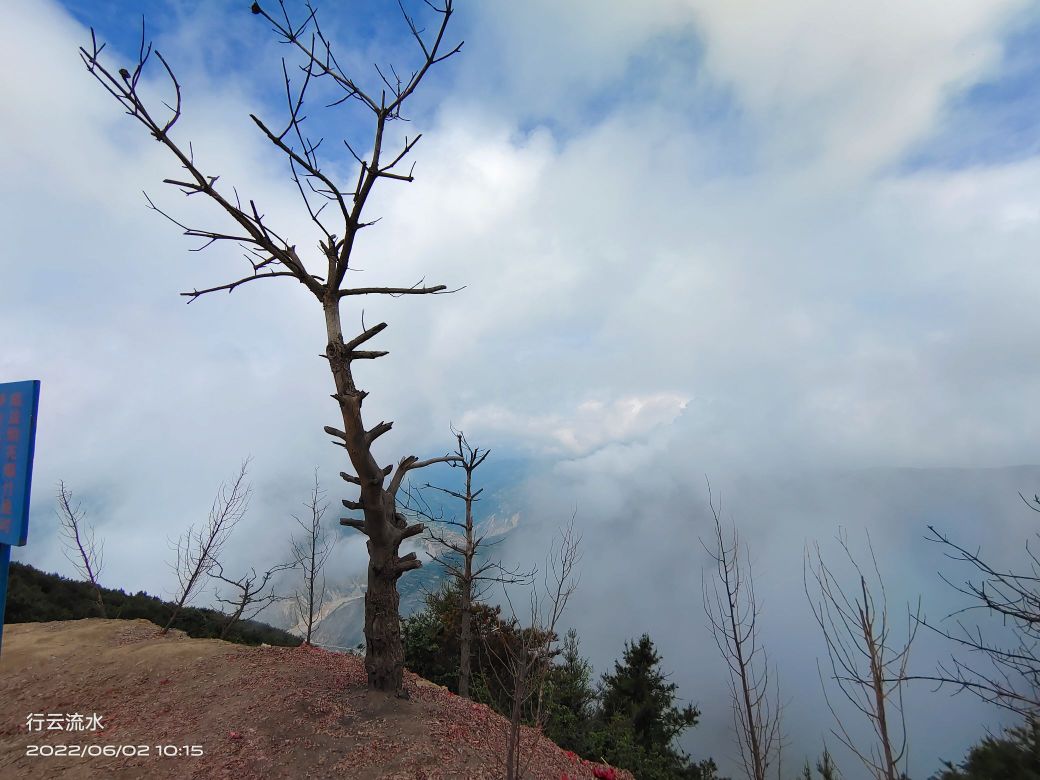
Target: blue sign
[(18, 403)]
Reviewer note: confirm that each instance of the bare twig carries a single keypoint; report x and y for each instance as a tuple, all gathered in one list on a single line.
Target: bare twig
[(1006, 674)]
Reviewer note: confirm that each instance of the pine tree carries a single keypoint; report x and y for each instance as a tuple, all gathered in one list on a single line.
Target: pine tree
[(638, 719), (640, 693), (571, 698), (1016, 754), (825, 766)]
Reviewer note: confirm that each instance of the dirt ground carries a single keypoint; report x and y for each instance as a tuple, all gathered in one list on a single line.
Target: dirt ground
[(202, 708)]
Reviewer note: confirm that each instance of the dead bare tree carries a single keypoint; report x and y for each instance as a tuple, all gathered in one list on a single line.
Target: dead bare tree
[(198, 550), (310, 552), (271, 255), (251, 593), (1005, 671), (458, 551), (866, 665), (521, 661), (733, 610), (81, 547)]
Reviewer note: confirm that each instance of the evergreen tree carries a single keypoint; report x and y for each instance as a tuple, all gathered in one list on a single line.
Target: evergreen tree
[(1015, 755), (638, 692), (825, 766), (571, 698), (427, 639), (432, 649), (34, 596), (638, 719)]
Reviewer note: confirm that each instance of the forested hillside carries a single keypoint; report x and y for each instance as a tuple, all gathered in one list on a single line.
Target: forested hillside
[(35, 596)]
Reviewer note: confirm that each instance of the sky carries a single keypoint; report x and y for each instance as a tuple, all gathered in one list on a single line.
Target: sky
[(789, 246)]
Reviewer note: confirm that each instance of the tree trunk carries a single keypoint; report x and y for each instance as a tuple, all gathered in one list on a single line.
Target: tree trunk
[(100, 600), (231, 621), (384, 654), (310, 578), (467, 584), (515, 718), (465, 635), (383, 525)]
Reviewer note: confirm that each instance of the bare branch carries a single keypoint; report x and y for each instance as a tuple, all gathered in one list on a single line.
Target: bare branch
[(438, 289), (1005, 673), (412, 463), (232, 285), (124, 89), (351, 522)]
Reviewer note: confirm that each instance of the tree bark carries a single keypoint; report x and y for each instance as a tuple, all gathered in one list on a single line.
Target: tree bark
[(467, 588), (465, 638), (383, 525), (384, 655)]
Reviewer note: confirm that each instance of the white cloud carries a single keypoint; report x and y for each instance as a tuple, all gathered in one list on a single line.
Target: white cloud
[(849, 85), (547, 58), (593, 424)]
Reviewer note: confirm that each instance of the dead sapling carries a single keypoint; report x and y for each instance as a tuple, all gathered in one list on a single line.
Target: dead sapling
[(252, 594), (82, 548), (459, 547), (198, 550), (310, 551), (733, 610), (868, 665), (521, 661)]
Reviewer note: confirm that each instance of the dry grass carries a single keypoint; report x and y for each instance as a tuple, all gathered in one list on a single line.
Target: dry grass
[(256, 712)]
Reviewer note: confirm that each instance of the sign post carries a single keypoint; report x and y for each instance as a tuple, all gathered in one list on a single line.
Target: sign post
[(18, 405)]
